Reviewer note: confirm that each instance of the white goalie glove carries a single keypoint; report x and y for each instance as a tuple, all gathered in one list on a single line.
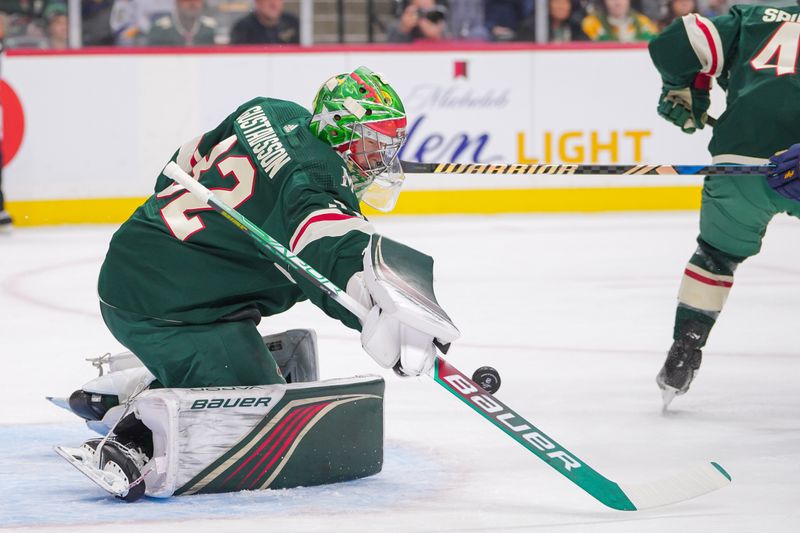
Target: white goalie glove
[(404, 318), (387, 340)]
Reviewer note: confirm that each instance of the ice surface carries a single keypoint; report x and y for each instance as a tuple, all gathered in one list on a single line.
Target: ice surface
[(575, 311)]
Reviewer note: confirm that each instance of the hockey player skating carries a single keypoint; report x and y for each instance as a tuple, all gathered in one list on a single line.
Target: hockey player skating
[(184, 292), (753, 54)]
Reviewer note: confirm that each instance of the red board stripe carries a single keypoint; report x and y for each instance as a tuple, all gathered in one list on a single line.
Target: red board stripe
[(418, 47)]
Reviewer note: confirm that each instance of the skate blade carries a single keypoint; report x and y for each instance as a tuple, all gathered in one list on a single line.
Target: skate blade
[(59, 402), (667, 395), (83, 460)]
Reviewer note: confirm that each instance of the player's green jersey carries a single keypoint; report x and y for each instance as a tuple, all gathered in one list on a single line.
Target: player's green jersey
[(753, 53), (176, 259)]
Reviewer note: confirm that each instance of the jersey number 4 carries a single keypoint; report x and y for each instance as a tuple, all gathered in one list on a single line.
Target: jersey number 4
[(178, 214), (780, 52)]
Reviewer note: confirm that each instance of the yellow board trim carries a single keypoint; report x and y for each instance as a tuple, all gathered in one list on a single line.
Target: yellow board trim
[(545, 200), (117, 210), (87, 211)]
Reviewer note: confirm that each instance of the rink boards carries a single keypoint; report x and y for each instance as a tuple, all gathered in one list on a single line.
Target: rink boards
[(87, 132)]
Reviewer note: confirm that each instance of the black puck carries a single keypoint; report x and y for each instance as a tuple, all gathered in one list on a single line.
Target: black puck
[(488, 378)]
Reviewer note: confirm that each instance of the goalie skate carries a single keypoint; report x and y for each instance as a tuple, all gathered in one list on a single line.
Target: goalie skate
[(117, 470)]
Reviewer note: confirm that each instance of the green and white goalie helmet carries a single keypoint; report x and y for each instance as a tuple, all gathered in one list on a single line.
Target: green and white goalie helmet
[(363, 119)]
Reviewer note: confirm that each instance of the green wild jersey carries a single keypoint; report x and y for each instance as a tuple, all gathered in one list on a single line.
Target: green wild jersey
[(753, 53), (176, 259), (166, 31)]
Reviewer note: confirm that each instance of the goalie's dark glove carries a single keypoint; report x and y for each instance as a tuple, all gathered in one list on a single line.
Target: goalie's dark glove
[(687, 107), (784, 179)]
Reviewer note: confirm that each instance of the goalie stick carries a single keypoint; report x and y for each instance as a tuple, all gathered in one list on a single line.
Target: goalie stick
[(412, 167), (626, 497)]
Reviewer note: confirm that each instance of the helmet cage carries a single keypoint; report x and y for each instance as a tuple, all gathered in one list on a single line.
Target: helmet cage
[(373, 159)]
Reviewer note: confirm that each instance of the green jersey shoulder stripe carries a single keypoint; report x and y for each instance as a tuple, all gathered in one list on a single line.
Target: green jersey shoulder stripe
[(326, 223), (706, 43)]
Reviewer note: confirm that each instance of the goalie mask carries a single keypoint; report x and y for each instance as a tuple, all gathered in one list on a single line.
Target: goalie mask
[(363, 119)]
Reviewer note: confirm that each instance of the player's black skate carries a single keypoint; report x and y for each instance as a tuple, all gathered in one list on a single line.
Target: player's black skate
[(5, 221), (683, 361)]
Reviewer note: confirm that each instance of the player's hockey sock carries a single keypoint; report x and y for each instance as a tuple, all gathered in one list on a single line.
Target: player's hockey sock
[(706, 282)]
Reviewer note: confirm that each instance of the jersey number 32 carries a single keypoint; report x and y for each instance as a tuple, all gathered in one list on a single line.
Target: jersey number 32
[(180, 215)]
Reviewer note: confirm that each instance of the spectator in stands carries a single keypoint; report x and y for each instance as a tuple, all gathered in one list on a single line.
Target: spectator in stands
[(227, 13), (653, 9), (677, 9), (21, 25), (266, 24), (503, 17), (617, 21), (187, 26), (56, 26), (564, 25), (466, 20), (421, 20), (131, 19), (96, 23), (713, 8)]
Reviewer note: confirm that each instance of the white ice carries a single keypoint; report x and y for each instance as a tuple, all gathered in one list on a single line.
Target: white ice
[(575, 311)]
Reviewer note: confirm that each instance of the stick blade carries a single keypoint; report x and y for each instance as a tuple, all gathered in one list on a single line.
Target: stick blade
[(686, 485)]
